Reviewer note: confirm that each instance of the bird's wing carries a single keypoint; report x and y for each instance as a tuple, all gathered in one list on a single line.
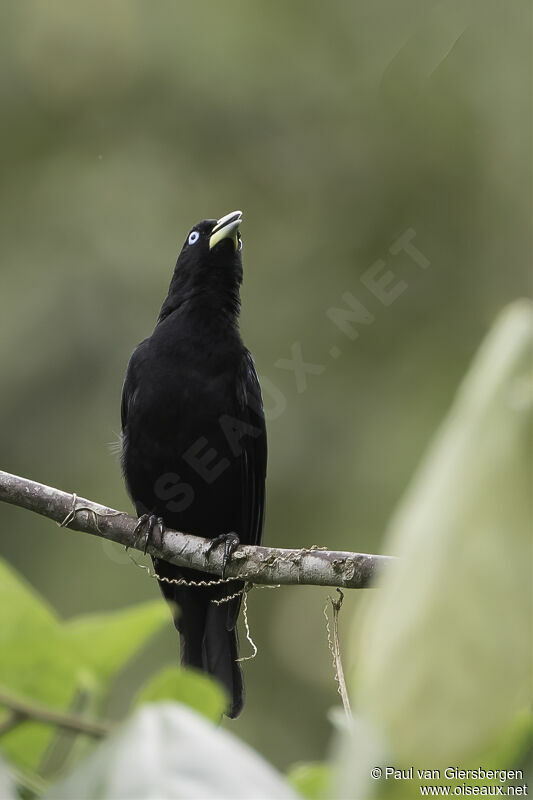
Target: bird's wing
[(254, 453), (127, 394), (130, 384)]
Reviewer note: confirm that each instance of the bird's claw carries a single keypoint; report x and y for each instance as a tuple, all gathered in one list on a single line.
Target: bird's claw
[(146, 525), (231, 542)]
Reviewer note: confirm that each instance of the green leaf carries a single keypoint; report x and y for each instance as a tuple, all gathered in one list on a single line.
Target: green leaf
[(311, 779), (21, 607), (186, 686), (167, 750), (444, 655), (512, 744), (47, 661), (108, 641), (37, 662)]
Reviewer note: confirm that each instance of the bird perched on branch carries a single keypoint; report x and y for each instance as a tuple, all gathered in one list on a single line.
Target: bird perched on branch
[(194, 441)]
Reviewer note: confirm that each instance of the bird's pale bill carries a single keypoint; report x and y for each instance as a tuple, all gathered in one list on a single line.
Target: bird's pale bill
[(226, 228)]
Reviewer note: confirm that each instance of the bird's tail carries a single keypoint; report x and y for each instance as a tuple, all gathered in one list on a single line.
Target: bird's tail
[(208, 635), (207, 644)]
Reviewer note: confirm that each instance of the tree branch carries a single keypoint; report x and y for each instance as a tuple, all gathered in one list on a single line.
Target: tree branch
[(262, 565), (24, 710)]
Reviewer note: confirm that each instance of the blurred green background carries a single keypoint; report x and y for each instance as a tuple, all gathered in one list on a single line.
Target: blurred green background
[(336, 127)]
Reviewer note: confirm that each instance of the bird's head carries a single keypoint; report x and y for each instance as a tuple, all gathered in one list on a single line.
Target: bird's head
[(209, 262), (213, 243)]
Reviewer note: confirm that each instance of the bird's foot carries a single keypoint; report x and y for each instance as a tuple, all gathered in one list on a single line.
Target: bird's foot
[(231, 542), (146, 525)]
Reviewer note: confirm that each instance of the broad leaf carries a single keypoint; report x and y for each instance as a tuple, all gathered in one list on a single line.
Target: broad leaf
[(444, 656), (108, 641), (168, 751), (193, 689), (37, 663), (50, 662), (310, 779)]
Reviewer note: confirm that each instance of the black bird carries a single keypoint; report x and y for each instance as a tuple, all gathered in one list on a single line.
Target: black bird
[(194, 440)]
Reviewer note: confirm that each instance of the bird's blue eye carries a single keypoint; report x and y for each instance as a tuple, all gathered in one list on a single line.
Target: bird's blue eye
[(193, 237), (239, 246)]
